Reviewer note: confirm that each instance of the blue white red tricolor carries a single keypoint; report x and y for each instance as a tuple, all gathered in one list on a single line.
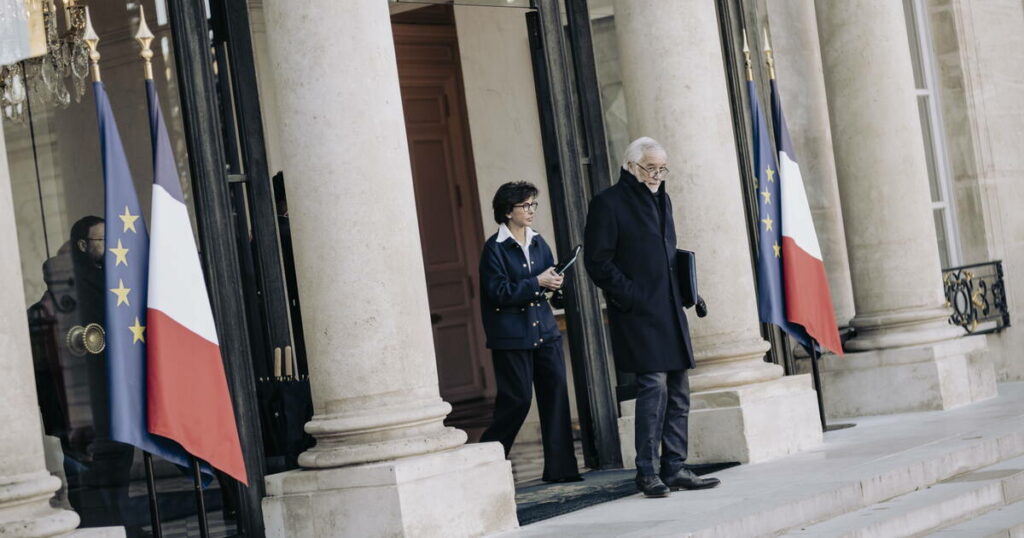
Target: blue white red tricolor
[(189, 400), (793, 292), (125, 276), (808, 299)]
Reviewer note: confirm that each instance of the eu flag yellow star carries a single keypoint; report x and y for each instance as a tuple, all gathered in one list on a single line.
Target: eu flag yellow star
[(120, 253), (771, 174), (767, 196), (121, 292), (129, 220), (777, 249), (768, 223), (137, 332)]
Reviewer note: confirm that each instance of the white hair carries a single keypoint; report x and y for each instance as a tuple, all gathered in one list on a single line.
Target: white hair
[(636, 149)]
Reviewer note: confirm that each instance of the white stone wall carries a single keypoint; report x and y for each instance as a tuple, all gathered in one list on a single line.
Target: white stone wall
[(502, 106), (979, 49)]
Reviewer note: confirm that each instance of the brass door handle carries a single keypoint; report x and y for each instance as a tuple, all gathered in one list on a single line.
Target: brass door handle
[(89, 339)]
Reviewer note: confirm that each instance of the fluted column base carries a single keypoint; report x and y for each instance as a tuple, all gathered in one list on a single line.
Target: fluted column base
[(731, 363), (375, 429), (901, 328), (467, 491), (928, 377), (25, 509)]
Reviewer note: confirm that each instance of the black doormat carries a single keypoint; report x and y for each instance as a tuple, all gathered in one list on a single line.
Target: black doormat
[(536, 500)]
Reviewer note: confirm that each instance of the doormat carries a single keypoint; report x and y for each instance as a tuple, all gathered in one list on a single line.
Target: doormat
[(537, 501)]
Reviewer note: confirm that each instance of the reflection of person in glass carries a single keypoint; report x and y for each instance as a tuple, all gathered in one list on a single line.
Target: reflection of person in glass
[(516, 267), (97, 468), (104, 482)]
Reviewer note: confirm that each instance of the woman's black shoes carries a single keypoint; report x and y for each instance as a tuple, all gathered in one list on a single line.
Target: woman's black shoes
[(563, 480), (651, 485)]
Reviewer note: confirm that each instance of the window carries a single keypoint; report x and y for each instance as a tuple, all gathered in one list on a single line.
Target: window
[(943, 208)]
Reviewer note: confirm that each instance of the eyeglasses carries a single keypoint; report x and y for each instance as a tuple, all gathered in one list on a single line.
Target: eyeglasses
[(531, 207), (662, 172), (94, 238)]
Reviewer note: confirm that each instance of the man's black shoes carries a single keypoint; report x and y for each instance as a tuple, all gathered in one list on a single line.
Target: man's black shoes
[(685, 479), (651, 485)]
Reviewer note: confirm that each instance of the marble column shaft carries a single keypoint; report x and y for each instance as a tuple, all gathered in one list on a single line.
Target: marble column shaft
[(883, 175), (25, 484), (674, 82), (355, 234), (794, 33)]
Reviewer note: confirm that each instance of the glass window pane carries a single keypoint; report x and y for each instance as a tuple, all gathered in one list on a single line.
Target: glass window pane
[(942, 236), (915, 44), (57, 180), (929, 148), (609, 76)]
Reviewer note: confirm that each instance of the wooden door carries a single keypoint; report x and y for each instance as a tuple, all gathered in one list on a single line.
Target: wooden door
[(446, 205)]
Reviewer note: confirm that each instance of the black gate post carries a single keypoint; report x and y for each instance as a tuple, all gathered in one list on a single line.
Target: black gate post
[(567, 188), (217, 237)]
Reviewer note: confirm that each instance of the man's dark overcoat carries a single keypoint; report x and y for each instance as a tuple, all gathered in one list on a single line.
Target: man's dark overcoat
[(630, 253)]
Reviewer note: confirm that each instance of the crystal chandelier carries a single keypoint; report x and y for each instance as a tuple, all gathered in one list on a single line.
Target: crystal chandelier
[(55, 77)]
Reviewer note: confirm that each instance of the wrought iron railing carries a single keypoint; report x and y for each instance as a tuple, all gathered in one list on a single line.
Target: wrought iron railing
[(977, 295)]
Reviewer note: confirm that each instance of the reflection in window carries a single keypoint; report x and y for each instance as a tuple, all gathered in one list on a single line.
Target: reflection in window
[(57, 185)]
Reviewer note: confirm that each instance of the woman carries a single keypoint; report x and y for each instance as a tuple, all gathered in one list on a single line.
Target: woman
[(516, 268)]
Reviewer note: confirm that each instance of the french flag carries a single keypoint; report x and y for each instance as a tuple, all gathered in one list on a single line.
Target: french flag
[(187, 388), (807, 297)]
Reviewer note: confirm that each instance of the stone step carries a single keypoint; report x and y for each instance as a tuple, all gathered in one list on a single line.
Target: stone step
[(1005, 522), (943, 504)]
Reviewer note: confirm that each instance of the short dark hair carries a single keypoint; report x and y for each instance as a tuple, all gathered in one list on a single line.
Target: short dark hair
[(80, 229), (510, 194)]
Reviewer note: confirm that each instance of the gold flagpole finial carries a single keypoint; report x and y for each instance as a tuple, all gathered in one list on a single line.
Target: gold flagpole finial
[(746, 56), (145, 38), (92, 40), (769, 55)]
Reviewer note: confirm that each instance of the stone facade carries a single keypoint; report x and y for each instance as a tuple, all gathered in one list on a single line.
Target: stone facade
[(385, 463)]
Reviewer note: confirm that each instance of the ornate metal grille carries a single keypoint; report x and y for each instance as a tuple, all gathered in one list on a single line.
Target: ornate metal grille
[(977, 295)]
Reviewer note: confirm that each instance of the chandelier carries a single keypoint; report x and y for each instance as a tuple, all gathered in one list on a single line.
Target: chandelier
[(56, 77)]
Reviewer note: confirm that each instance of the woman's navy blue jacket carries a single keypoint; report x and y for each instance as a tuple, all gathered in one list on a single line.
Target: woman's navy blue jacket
[(515, 312)]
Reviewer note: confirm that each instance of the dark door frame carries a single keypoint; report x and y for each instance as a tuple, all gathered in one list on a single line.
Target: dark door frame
[(219, 251), (570, 187)]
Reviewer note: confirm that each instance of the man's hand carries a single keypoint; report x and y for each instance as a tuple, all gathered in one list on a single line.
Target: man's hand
[(550, 280)]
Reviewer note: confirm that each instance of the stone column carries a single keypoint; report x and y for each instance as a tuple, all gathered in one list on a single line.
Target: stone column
[(674, 81), (384, 463), (25, 484), (912, 358), (798, 69)]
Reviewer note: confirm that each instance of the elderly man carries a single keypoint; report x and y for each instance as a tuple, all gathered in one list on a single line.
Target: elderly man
[(630, 253)]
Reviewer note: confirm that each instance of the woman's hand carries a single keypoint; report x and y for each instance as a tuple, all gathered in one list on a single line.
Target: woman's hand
[(550, 280)]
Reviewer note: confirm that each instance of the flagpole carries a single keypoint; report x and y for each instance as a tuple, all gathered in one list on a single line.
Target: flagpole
[(154, 506), (817, 384), (197, 484), (815, 347)]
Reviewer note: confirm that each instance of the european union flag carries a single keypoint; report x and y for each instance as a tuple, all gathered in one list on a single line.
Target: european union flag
[(771, 298), (126, 271)]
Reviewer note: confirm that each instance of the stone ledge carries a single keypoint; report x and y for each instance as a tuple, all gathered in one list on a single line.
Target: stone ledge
[(466, 491), (740, 424), (937, 376)]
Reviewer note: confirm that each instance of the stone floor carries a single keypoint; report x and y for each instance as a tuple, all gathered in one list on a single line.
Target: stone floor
[(880, 459)]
